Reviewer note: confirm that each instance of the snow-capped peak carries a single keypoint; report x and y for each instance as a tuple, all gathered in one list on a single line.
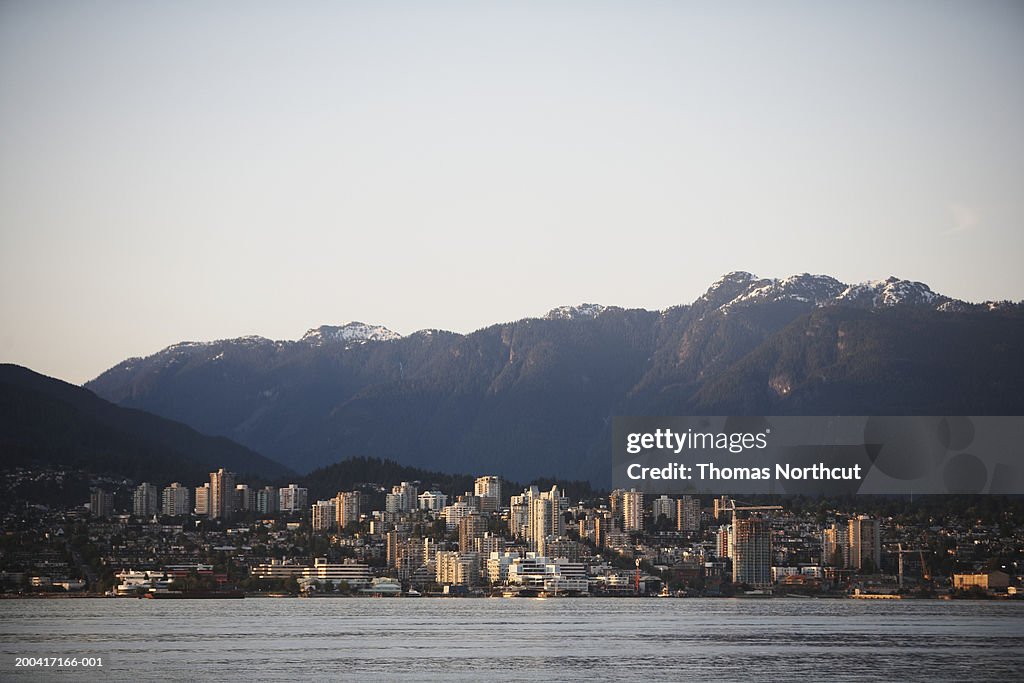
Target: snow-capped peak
[(575, 312), (349, 332), (738, 289), (806, 288), (891, 292)]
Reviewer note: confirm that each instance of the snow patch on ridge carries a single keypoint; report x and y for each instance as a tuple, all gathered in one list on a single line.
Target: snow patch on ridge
[(583, 311), (349, 332)]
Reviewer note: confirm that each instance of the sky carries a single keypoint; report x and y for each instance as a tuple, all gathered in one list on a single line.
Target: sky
[(199, 170)]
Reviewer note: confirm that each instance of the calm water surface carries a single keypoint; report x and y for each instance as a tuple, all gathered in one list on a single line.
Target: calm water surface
[(483, 639)]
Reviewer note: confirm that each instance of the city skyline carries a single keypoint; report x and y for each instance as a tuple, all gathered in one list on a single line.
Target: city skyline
[(198, 172)]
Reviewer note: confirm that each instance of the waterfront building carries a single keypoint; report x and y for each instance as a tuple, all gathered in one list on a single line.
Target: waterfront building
[(496, 567), (539, 572), (144, 500), (835, 546), (175, 500), (985, 581), (355, 574), (865, 543), (277, 569), (752, 552), (456, 568), (688, 514)]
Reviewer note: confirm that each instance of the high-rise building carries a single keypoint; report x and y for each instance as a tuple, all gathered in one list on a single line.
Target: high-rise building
[(456, 568), (222, 494), (615, 502), (722, 506), (594, 526), (688, 514), (519, 512), (101, 503), (663, 506), (405, 554), (175, 500), (602, 527), (865, 543), (489, 543), (471, 500), (409, 494), (835, 546), (245, 498), (752, 552), (489, 491), (144, 500), (723, 541), (346, 508), (471, 528), (203, 500), (633, 510), (323, 515), (455, 512), (547, 518), (434, 501), (266, 500), (292, 498)]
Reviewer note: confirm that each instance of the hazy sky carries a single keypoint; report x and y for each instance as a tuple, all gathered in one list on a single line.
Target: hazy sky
[(201, 170)]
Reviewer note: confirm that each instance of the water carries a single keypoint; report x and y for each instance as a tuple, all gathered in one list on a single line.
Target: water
[(483, 639)]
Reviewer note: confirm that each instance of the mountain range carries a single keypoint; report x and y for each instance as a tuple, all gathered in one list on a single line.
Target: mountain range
[(44, 421), (535, 397)]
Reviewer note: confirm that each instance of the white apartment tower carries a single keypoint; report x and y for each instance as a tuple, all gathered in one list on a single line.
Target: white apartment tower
[(633, 510), (175, 500), (323, 515), (488, 489)]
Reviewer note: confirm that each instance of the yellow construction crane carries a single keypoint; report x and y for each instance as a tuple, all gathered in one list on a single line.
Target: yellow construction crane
[(925, 574)]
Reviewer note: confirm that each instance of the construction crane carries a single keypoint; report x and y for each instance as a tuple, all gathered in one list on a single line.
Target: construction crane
[(749, 508), (925, 575)]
